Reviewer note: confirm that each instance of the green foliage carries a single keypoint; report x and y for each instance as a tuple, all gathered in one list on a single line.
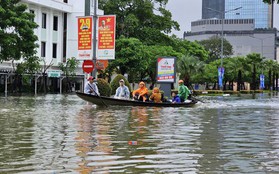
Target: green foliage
[(16, 31), (213, 46), (30, 65), (146, 20), (114, 84), (104, 87), (189, 48), (69, 67), (271, 1), (187, 66), (130, 56)]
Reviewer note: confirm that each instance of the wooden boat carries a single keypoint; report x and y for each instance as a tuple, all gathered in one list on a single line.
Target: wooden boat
[(106, 101)]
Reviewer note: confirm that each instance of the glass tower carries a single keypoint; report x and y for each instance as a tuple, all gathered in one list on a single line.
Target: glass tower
[(218, 5), (251, 9)]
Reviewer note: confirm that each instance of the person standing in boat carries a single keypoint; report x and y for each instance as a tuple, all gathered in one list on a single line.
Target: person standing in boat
[(122, 91), (183, 91), (91, 87), (141, 93)]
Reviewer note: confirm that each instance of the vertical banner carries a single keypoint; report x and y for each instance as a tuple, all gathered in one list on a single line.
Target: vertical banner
[(221, 71), (84, 38), (106, 37), (261, 81), (166, 69)]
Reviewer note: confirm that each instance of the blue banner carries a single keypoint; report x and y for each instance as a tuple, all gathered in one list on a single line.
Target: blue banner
[(262, 81), (221, 71)]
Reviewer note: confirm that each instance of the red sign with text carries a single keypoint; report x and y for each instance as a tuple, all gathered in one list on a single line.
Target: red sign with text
[(84, 37), (88, 66), (106, 35)]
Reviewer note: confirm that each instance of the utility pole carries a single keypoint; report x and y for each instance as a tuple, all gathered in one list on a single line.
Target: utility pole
[(94, 39), (95, 18)]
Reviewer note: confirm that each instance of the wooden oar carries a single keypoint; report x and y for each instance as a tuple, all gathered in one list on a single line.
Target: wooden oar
[(194, 97), (98, 96)]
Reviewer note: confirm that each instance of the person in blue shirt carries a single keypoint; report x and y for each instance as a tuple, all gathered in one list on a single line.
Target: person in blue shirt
[(91, 87), (122, 91), (175, 98)]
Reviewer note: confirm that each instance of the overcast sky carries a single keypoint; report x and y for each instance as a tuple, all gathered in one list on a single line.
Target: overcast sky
[(185, 11)]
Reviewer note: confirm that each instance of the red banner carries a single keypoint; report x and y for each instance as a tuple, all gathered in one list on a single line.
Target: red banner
[(106, 37), (84, 37)]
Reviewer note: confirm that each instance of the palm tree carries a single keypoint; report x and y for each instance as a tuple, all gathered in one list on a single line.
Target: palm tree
[(187, 66), (255, 60)]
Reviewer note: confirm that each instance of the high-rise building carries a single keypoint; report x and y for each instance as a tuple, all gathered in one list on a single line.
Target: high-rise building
[(218, 5), (251, 9), (255, 9)]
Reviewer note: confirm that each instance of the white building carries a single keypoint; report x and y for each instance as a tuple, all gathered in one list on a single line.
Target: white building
[(241, 34), (57, 31)]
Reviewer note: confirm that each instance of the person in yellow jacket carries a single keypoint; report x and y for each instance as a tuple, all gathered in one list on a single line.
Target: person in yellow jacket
[(156, 96), (141, 93)]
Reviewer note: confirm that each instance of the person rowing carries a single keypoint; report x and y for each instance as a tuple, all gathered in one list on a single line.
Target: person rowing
[(91, 87)]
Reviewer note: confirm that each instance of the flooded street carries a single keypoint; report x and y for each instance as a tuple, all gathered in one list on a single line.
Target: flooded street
[(64, 134)]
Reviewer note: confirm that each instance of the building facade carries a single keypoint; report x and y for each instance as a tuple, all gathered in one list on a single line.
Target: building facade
[(57, 34), (218, 5), (57, 30), (241, 34), (250, 9)]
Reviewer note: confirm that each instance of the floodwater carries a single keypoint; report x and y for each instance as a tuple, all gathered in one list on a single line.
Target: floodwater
[(64, 134)]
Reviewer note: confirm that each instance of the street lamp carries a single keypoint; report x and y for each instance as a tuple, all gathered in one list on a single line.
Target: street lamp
[(261, 39), (222, 31), (222, 34)]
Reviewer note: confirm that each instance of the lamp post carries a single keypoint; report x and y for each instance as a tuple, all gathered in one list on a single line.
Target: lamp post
[(222, 30), (261, 39), (222, 34)]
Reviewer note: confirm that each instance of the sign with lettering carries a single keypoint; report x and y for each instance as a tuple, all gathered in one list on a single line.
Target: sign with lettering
[(84, 38), (166, 69), (88, 66), (54, 73), (106, 37)]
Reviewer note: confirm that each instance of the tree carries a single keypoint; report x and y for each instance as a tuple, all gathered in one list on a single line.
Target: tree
[(213, 46), (270, 1), (254, 60), (235, 71), (16, 31), (187, 66), (189, 48), (69, 69), (146, 20), (130, 57)]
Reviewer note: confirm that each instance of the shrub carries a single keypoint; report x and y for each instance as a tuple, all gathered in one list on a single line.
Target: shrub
[(104, 87), (114, 84)]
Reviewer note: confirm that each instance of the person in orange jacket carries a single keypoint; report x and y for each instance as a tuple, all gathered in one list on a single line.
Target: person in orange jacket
[(141, 93), (156, 95)]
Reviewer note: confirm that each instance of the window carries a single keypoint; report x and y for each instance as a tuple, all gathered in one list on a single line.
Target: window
[(55, 23), (43, 49), (54, 50), (44, 18), (32, 12), (64, 36), (66, 1)]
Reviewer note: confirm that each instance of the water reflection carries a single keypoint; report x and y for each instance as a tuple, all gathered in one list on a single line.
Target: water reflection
[(63, 134)]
